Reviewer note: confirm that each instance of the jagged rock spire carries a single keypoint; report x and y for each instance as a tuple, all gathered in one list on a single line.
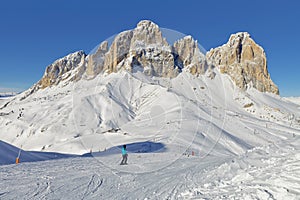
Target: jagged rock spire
[(244, 61)]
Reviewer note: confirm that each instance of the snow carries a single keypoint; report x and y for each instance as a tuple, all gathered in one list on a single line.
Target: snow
[(188, 138), (295, 100), (266, 172), (7, 94)]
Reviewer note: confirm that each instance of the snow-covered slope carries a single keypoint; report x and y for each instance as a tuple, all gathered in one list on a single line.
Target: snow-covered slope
[(295, 100), (186, 111), (266, 172)]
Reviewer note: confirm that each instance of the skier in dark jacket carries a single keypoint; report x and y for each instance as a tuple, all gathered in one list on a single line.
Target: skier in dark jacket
[(124, 155)]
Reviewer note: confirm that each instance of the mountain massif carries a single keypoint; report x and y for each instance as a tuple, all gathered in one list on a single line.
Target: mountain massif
[(145, 49)]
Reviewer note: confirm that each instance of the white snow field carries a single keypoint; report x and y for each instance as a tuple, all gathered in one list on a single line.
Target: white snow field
[(188, 138)]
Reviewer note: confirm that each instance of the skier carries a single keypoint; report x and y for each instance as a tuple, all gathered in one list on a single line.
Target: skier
[(124, 155)]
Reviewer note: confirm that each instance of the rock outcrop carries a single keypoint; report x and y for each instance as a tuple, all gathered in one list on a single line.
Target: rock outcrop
[(96, 61), (62, 69), (118, 51), (188, 55), (244, 61), (150, 52), (141, 49), (146, 34)]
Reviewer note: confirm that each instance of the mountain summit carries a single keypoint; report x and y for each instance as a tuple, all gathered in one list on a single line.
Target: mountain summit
[(244, 61), (145, 49)]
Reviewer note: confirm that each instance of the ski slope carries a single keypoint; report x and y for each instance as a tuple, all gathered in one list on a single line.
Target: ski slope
[(266, 172)]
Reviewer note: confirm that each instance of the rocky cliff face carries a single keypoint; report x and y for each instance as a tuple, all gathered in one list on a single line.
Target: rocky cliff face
[(188, 55), (244, 61), (150, 52), (62, 69), (96, 61), (118, 51), (145, 49)]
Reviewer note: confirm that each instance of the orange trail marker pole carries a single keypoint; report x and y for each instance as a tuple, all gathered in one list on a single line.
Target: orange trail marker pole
[(18, 158)]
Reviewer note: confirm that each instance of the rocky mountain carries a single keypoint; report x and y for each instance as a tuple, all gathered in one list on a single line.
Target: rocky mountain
[(244, 61), (62, 69), (145, 49)]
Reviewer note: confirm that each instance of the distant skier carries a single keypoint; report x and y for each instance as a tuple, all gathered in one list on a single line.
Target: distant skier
[(124, 155)]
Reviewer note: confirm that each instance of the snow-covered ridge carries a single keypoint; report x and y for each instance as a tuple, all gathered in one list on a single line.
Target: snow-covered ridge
[(295, 100), (7, 94)]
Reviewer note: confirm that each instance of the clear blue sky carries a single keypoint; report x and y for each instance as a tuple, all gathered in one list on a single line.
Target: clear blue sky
[(34, 33)]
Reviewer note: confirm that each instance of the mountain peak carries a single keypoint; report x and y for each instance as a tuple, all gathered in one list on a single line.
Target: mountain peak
[(239, 37), (147, 24), (244, 61), (57, 71), (147, 33), (240, 34)]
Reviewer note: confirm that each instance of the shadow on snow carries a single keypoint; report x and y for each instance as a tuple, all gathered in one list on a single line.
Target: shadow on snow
[(9, 153), (137, 147)]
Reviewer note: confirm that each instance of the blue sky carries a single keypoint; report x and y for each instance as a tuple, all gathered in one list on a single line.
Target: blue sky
[(34, 33)]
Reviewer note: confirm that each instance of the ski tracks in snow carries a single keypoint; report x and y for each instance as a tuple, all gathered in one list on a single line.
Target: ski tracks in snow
[(270, 172), (42, 189), (93, 185)]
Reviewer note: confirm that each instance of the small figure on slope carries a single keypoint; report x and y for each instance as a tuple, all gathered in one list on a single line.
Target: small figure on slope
[(124, 155)]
